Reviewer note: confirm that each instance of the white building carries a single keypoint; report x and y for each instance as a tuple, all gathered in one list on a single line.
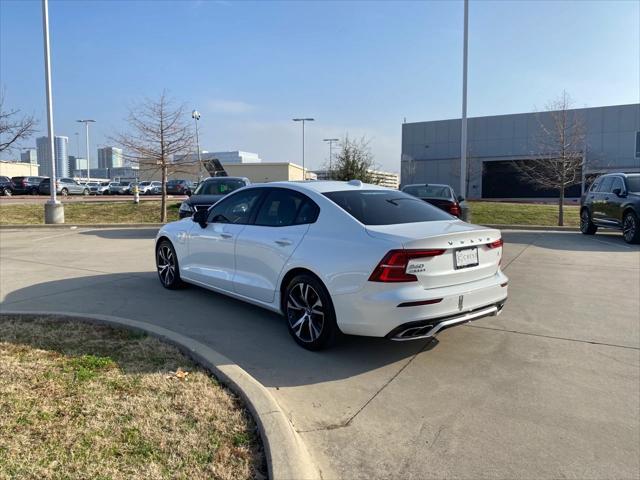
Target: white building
[(109, 157), (234, 157), (384, 179), (61, 157), (30, 155)]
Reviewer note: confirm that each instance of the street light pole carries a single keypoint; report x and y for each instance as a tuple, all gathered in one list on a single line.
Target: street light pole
[(53, 210), (86, 125), (196, 116), (303, 120), (331, 142), (463, 130)]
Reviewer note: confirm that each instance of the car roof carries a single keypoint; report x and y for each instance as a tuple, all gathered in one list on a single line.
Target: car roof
[(209, 179), (323, 186), (427, 185)]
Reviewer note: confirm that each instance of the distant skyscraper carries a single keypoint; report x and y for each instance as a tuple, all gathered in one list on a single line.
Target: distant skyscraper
[(29, 156), (110, 157), (61, 157)]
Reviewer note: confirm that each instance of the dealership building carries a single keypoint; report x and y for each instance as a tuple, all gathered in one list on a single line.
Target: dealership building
[(431, 150)]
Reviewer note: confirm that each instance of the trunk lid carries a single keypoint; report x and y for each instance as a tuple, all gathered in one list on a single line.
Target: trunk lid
[(452, 236)]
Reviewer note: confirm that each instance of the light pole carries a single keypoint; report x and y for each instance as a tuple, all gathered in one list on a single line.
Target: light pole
[(303, 120), (331, 142), (196, 116), (86, 126), (53, 210), (463, 130)]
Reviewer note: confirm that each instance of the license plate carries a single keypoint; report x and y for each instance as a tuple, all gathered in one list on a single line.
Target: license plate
[(466, 257)]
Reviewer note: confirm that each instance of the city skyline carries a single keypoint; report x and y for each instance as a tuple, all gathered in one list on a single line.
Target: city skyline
[(359, 68)]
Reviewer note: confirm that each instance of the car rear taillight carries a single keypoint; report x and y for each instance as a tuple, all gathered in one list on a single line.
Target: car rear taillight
[(496, 244), (392, 268), (454, 209)]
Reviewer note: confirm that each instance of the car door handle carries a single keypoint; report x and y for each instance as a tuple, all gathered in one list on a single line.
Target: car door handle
[(284, 242), (226, 235)]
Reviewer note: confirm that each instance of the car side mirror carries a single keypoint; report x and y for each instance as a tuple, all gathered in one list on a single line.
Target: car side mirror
[(460, 198), (200, 217), (618, 192), (189, 193)]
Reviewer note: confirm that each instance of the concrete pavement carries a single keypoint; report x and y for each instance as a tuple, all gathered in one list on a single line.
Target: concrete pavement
[(549, 389)]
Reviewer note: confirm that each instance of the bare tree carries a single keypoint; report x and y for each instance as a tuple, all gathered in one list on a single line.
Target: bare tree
[(158, 140), (354, 161), (561, 147), (13, 126)]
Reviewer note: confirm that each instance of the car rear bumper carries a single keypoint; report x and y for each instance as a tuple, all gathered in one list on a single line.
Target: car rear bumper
[(386, 310)]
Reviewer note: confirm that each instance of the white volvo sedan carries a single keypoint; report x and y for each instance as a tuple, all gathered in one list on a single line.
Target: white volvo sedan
[(339, 257)]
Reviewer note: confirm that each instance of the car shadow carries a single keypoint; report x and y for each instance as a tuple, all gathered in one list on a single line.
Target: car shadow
[(254, 338), (122, 233), (607, 241)]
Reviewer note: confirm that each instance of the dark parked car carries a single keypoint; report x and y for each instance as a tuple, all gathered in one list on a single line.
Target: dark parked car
[(5, 186), (179, 187), (26, 185), (441, 196), (209, 192), (613, 201)]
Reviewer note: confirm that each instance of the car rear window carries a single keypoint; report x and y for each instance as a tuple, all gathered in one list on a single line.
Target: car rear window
[(218, 187), (386, 207), (428, 191), (633, 183)]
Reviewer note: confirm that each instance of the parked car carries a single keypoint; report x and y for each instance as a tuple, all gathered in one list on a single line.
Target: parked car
[(339, 257), (109, 190), (441, 196), (150, 188), (120, 188), (179, 187), (5, 186), (613, 201), (98, 188), (64, 186), (25, 185), (209, 191)]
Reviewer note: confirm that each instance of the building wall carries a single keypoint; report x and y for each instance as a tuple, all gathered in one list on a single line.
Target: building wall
[(385, 179), (61, 156), (18, 169), (109, 157), (29, 156), (431, 150)]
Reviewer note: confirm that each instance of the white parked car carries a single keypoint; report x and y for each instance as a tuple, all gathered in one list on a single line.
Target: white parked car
[(339, 257), (149, 188)]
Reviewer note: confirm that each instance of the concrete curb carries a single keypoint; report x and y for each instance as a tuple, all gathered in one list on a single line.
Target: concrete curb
[(38, 226), (533, 227), (287, 456)]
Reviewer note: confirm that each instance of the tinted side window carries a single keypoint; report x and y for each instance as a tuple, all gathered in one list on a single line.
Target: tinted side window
[(605, 185), (617, 183), (308, 213), (386, 207), (280, 208), (238, 208)]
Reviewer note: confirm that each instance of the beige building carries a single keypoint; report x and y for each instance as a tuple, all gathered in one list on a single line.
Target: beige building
[(18, 169), (256, 172), (384, 179)]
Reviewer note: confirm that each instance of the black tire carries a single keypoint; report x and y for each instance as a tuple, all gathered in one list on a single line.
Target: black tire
[(587, 227), (167, 266), (33, 191), (631, 228), (64, 192), (311, 319)]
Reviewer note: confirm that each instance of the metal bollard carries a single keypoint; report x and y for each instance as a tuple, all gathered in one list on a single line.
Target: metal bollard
[(465, 211), (136, 194)]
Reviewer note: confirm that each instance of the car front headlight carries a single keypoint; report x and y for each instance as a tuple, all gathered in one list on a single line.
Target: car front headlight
[(185, 207)]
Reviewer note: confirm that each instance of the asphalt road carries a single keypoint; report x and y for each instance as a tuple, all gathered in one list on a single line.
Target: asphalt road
[(549, 389), (42, 199)]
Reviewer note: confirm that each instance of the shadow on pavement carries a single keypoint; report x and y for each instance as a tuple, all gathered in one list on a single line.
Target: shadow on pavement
[(123, 233), (571, 241), (254, 338)]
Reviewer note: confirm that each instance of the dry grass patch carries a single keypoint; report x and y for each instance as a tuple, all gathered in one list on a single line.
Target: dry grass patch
[(86, 401)]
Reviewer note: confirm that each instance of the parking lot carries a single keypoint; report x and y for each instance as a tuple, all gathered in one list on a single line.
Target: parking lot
[(549, 389)]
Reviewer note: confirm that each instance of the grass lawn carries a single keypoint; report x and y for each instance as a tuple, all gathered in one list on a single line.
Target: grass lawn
[(86, 401), (90, 212), (522, 214)]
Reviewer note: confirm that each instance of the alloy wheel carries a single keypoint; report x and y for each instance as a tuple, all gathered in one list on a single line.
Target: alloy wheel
[(166, 265), (629, 227), (305, 312)]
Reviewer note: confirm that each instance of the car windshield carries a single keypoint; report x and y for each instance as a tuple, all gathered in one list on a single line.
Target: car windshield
[(633, 183), (386, 207), (428, 191), (124, 184), (174, 182), (218, 187), (144, 184)]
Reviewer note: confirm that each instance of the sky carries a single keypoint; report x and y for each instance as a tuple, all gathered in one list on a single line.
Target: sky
[(359, 68)]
